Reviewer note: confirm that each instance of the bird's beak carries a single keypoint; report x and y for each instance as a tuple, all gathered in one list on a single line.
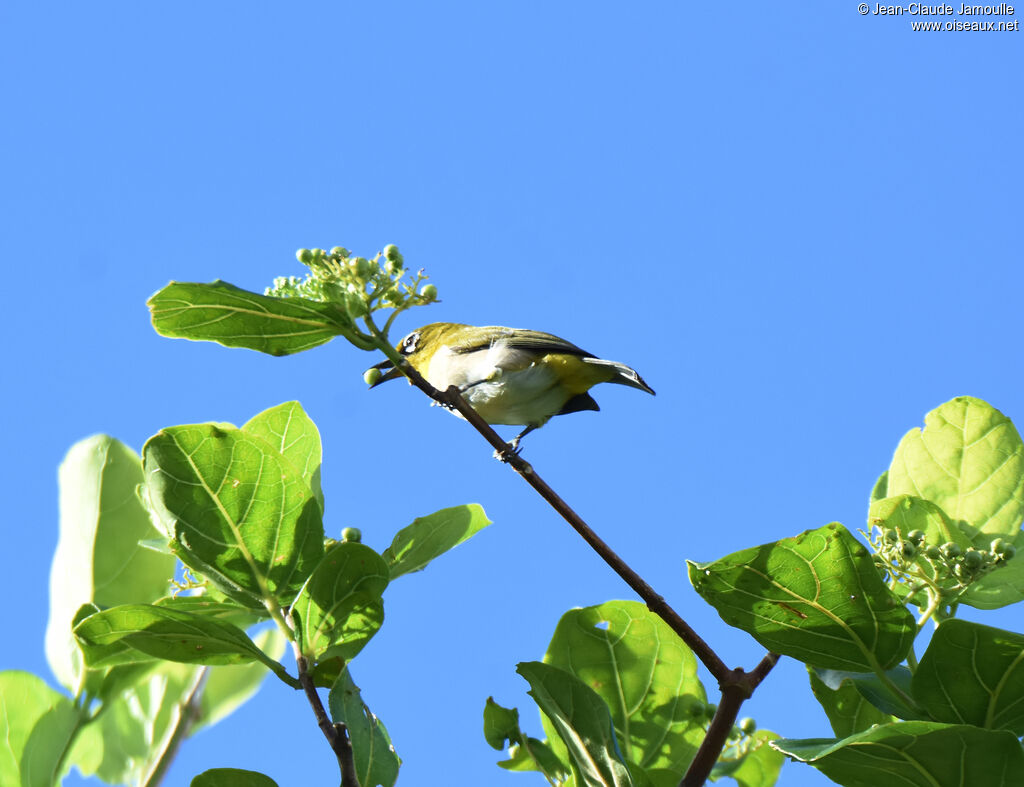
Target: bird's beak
[(390, 372)]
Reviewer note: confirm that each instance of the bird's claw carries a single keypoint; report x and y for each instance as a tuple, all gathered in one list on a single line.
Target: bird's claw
[(510, 450)]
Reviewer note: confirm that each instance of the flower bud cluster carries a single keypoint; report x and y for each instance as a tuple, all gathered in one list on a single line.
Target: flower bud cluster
[(949, 565), (357, 285)]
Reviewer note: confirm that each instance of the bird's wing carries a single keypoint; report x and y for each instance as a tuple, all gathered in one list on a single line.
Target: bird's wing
[(534, 341)]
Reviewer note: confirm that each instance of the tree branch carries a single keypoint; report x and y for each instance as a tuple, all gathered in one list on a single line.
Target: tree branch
[(452, 399), (736, 685), (336, 734), (735, 691), (717, 736)]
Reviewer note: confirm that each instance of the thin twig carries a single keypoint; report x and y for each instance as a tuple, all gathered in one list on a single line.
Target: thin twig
[(336, 734), (736, 685), (760, 672), (452, 399)]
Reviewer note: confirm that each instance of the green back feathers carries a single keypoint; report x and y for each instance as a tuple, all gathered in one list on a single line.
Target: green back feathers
[(578, 369)]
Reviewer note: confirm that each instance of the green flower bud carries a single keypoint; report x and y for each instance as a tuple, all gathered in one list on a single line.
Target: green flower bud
[(998, 546), (339, 251), (352, 534), (393, 254), (429, 293), (933, 552), (748, 726), (915, 537), (362, 267), (371, 376), (951, 550), (973, 558), (1008, 553), (891, 536), (908, 549), (305, 256)]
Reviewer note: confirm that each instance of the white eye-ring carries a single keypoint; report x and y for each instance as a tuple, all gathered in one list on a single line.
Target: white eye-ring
[(409, 343)]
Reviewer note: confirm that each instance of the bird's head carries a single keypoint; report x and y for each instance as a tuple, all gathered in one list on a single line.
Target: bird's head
[(418, 348)]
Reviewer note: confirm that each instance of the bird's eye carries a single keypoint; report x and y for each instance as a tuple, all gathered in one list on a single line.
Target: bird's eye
[(408, 345)]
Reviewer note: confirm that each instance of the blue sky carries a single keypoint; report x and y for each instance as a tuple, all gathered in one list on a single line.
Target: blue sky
[(801, 225)]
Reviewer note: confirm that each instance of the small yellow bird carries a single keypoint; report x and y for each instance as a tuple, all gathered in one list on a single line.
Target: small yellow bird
[(508, 375)]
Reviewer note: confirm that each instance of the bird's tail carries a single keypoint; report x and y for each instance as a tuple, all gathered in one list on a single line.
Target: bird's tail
[(624, 375)]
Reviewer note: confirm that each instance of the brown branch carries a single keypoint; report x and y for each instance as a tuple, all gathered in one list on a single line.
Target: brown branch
[(760, 672), (452, 399), (736, 685), (336, 734), (735, 691)]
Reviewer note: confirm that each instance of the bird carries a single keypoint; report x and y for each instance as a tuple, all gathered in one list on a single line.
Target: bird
[(510, 376)]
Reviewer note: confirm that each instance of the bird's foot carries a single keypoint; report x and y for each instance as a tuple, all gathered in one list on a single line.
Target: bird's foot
[(510, 450)]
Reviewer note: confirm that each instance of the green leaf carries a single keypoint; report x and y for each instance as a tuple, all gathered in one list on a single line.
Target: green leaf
[(525, 753), (644, 674), (232, 777), (892, 696), (289, 430), (137, 727), (209, 607), (325, 672), (915, 754), (1002, 586), (36, 724), (430, 536), (535, 755), (239, 512), (756, 765), (227, 688), (582, 721), (86, 752), (127, 674), (99, 659), (847, 709), (98, 557), (340, 607), (973, 674), (375, 758), (969, 461), (881, 488), (906, 513), (172, 635), (500, 724), (817, 597), (126, 661), (226, 314)]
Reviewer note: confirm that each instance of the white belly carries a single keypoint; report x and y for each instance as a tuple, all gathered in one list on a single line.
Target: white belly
[(504, 386)]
